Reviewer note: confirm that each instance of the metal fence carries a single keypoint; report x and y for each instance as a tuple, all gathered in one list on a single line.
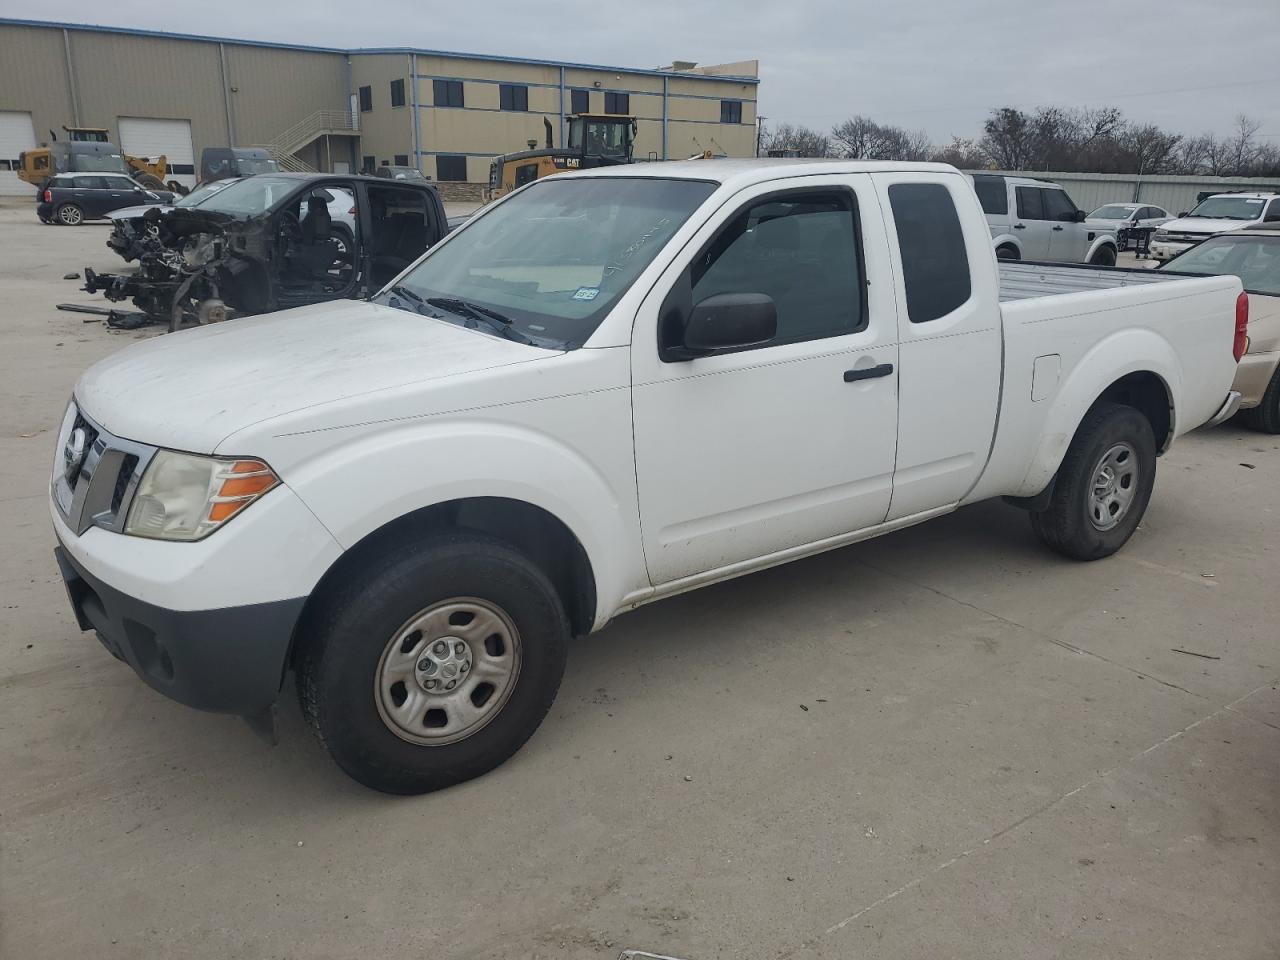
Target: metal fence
[(1175, 193)]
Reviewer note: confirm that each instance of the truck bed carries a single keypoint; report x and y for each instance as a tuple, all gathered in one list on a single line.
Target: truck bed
[(1022, 281)]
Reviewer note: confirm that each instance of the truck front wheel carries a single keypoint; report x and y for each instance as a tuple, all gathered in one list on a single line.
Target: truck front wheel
[(434, 664), (1103, 485)]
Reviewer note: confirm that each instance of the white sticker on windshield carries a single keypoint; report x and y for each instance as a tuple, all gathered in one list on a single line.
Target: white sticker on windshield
[(586, 293), (1253, 203)]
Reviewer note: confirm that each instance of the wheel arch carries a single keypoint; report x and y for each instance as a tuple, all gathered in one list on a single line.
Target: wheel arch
[(532, 530), (1149, 382), (1105, 240), (1007, 240)]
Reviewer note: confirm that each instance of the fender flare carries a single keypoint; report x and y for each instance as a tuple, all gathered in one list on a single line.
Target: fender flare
[(1146, 352), (1104, 240), (420, 465), (1007, 240)]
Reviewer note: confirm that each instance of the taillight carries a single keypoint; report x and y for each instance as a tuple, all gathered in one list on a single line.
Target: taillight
[(1241, 342), (48, 196), (351, 212)]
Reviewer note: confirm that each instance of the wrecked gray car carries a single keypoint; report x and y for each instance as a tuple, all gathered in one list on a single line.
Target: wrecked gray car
[(271, 242)]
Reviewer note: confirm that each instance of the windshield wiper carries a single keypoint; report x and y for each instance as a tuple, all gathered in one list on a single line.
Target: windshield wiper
[(474, 311), (400, 290)]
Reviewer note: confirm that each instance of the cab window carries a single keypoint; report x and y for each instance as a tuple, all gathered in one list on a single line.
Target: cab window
[(803, 250), (1058, 206), (1030, 206)]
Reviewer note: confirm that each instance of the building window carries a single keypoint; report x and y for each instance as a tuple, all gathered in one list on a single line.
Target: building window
[(580, 101), (397, 93), (617, 103), (402, 159), (513, 97), (367, 164), (446, 93), (366, 99), (452, 169), (730, 111)]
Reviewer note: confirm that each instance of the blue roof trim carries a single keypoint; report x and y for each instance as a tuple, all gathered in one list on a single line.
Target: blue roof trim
[(497, 58)]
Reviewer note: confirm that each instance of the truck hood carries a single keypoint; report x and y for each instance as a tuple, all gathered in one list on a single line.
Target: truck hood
[(1201, 225), (193, 389)]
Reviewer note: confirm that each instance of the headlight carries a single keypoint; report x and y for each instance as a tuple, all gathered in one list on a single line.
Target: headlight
[(184, 497), (1160, 233)]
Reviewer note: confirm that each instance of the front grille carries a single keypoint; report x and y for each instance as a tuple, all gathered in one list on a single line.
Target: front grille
[(96, 474)]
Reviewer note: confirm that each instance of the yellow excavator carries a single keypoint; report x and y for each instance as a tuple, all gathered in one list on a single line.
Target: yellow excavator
[(595, 140), (88, 149)]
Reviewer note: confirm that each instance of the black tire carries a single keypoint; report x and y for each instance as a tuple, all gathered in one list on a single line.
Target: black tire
[(1068, 525), (70, 215), (347, 635), (1008, 253), (1266, 415), (1104, 257)]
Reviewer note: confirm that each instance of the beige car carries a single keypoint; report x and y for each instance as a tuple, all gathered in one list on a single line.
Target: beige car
[(1253, 255)]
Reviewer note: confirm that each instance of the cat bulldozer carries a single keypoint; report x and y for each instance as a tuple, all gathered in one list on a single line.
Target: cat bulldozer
[(88, 150), (595, 140)]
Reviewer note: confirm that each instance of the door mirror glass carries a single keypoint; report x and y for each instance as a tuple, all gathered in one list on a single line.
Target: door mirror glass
[(1079, 216), (730, 321)]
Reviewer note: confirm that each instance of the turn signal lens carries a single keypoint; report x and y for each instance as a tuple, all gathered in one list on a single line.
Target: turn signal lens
[(185, 497)]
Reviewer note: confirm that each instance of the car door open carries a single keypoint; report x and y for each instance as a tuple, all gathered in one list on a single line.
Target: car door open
[(747, 444)]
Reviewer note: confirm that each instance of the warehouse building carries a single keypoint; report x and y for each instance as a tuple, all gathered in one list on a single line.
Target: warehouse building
[(344, 110)]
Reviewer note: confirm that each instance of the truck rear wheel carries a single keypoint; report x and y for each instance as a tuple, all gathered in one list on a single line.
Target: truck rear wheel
[(1103, 485), (434, 664)]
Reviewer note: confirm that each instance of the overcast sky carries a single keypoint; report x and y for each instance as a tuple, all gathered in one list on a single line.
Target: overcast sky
[(939, 65)]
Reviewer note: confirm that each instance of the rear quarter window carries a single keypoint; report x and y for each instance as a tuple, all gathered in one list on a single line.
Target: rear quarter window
[(992, 194), (935, 264)]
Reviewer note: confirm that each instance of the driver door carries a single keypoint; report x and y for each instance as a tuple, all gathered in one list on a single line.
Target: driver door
[(749, 453)]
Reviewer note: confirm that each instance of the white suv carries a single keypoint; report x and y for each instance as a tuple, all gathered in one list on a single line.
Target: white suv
[(1216, 214), (1037, 220)]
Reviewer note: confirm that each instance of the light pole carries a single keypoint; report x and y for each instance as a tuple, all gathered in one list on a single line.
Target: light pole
[(759, 132)]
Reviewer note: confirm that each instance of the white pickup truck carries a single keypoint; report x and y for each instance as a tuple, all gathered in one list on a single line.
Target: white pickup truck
[(605, 389)]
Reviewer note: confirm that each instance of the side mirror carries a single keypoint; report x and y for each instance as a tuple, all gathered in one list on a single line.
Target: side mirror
[(1080, 215), (724, 322), (1183, 213)]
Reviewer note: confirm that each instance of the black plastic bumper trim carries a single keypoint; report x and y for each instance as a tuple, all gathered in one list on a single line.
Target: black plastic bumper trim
[(228, 660)]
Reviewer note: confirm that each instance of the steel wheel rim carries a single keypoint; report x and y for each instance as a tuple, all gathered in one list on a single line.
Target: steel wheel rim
[(69, 215), (447, 671), (1114, 486)]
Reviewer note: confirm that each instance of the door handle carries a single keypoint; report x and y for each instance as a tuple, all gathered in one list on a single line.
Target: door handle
[(868, 373), (1058, 228), (1019, 226)]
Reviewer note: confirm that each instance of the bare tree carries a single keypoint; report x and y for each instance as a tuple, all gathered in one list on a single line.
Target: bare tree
[(804, 141), (1007, 139), (961, 153), (861, 138)]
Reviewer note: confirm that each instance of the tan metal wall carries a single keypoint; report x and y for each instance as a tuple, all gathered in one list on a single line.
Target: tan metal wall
[(385, 130), (33, 78), (274, 89)]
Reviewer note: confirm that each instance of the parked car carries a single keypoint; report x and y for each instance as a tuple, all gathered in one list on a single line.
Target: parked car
[(220, 163), (72, 198), (136, 229), (273, 241), (400, 173), (1253, 255), (1219, 213), (1126, 216), (608, 388), (1037, 220)]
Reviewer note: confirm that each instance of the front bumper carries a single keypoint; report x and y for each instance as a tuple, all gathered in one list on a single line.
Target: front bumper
[(229, 660), (1166, 249)]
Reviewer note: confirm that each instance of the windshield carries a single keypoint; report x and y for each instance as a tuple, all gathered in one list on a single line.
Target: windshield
[(98, 163), (554, 258), (254, 195), (404, 173), (1112, 211), (599, 138), (202, 193), (1255, 260), (251, 166), (1229, 208)]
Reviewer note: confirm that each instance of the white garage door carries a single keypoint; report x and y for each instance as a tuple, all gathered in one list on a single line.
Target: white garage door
[(16, 135), (149, 137)]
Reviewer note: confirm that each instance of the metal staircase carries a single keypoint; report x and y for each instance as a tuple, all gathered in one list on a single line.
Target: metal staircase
[(285, 145)]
